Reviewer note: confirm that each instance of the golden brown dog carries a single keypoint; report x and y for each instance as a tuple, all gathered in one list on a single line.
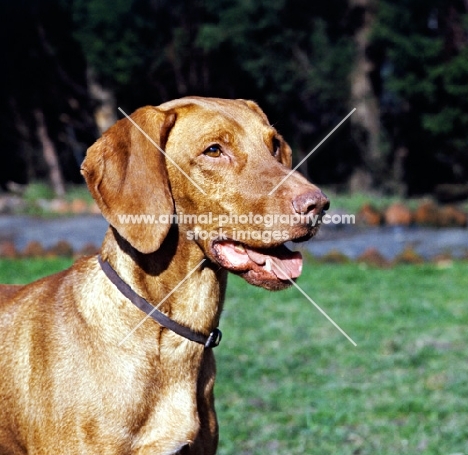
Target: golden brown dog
[(80, 373)]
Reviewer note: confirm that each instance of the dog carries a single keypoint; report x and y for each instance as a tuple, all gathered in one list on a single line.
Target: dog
[(84, 370)]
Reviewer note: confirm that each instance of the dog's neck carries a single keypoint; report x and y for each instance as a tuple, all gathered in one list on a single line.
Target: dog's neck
[(197, 301)]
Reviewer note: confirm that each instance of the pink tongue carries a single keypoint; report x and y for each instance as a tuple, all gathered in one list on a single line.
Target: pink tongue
[(285, 267)]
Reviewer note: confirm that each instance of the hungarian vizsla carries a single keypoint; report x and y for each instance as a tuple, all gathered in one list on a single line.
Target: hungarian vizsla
[(82, 371)]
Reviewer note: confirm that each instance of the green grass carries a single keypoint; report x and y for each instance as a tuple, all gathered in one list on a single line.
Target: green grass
[(41, 190), (20, 271), (352, 203), (289, 383)]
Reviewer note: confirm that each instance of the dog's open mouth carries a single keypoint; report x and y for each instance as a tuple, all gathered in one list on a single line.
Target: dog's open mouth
[(271, 268)]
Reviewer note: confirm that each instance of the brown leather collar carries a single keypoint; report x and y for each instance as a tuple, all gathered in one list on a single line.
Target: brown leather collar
[(210, 341)]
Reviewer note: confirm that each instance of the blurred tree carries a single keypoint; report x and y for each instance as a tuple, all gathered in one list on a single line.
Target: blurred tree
[(366, 120), (306, 63), (47, 120), (292, 56), (295, 57), (420, 48)]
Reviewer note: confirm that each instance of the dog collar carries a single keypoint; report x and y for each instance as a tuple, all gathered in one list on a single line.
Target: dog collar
[(210, 341)]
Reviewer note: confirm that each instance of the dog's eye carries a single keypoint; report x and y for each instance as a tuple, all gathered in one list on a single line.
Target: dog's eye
[(276, 146), (214, 151)]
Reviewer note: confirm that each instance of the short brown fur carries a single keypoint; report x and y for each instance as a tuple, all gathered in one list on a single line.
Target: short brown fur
[(67, 386)]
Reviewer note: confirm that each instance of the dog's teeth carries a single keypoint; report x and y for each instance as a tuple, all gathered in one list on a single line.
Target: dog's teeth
[(268, 265), (240, 248)]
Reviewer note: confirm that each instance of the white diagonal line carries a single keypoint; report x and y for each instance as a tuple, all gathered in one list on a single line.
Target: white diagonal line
[(160, 149), (323, 312), (316, 305), (322, 141), (162, 301)]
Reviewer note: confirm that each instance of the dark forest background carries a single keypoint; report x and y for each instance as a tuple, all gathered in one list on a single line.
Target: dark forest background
[(67, 65)]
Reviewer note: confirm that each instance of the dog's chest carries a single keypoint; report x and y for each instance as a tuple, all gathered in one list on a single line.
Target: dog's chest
[(173, 424)]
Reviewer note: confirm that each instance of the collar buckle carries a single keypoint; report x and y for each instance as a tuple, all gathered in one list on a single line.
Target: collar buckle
[(214, 338)]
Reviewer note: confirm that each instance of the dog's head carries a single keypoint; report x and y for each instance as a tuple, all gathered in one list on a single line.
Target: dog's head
[(217, 169)]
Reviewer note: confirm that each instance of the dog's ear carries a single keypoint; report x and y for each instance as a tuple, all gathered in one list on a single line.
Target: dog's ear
[(285, 153), (126, 174)]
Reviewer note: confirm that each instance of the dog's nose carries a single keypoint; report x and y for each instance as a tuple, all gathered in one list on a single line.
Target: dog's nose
[(311, 203)]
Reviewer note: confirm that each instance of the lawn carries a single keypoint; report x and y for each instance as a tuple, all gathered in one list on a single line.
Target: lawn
[(290, 383)]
